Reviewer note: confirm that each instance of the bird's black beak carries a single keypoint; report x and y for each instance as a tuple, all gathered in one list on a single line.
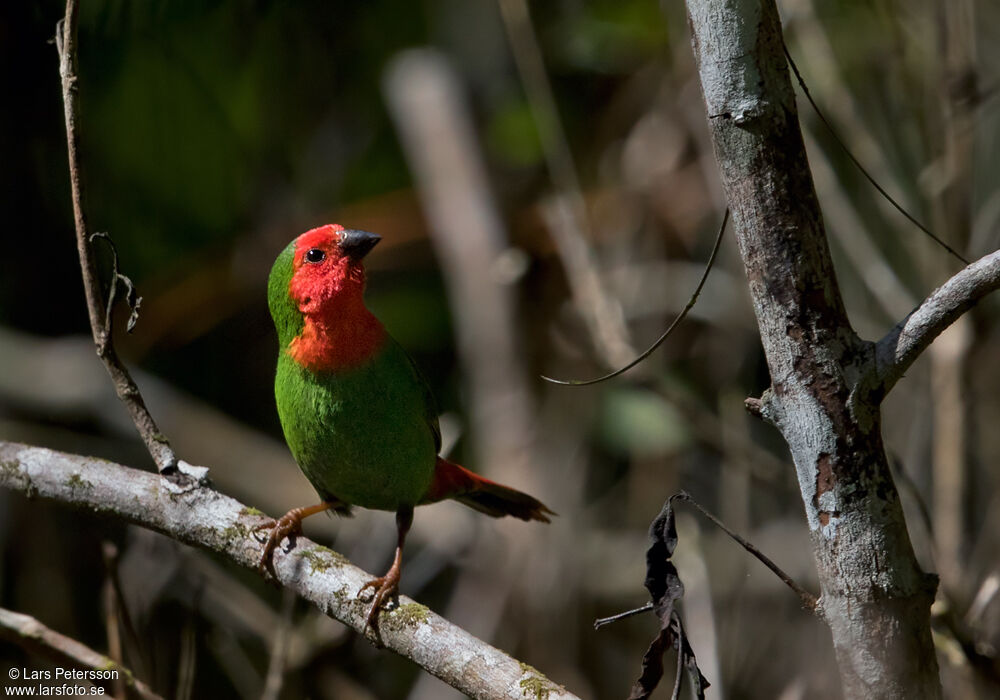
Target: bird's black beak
[(356, 244)]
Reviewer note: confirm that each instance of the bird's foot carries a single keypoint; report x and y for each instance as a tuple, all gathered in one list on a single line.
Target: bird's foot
[(288, 525), (386, 587)]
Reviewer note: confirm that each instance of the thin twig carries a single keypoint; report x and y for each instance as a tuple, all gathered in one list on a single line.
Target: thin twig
[(30, 634), (809, 601), (670, 329), (857, 163), (601, 621), (208, 519), (125, 386)]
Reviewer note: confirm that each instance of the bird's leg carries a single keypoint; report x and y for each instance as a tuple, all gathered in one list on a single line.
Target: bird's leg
[(387, 586), (288, 524)]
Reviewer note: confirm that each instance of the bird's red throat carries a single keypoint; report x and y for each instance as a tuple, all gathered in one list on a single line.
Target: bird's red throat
[(339, 332)]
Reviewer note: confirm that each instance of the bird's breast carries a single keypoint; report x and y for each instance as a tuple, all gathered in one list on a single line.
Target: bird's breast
[(358, 434)]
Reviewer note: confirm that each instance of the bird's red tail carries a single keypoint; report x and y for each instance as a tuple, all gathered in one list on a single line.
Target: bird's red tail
[(454, 481)]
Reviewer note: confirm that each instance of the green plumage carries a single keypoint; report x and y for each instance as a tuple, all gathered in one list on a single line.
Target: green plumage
[(364, 436), (288, 320)]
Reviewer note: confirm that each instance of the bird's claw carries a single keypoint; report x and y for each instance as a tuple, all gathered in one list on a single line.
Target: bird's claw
[(270, 523), (386, 587), (288, 525)]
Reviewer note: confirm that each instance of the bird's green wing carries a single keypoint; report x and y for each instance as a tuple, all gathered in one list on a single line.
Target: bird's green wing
[(430, 405)]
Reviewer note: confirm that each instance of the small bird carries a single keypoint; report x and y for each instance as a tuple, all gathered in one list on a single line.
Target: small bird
[(358, 416)]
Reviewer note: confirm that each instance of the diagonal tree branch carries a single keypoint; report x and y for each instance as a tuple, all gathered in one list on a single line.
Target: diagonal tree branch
[(30, 634), (903, 344), (100, 325), (205, 518)]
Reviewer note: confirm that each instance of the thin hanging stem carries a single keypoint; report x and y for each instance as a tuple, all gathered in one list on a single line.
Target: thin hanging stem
[(666, 334)]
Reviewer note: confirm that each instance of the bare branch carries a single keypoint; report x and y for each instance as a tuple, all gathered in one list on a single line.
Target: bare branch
[(808, 600), (903, 344), (30, 634), (125, 386), (205, 518)]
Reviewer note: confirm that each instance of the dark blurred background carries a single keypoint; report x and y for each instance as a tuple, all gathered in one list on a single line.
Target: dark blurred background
[(547, 197)]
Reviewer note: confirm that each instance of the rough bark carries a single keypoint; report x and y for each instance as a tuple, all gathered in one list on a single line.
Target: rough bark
[(875, 598), (199, 516)]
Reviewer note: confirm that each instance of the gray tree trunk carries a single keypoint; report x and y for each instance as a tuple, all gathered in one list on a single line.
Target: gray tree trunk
[(825, 392)]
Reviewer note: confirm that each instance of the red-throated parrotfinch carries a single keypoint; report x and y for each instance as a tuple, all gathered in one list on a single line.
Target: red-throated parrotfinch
[(359, 418)]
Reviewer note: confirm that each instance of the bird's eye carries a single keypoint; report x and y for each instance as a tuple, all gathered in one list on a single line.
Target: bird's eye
[(315, 255)]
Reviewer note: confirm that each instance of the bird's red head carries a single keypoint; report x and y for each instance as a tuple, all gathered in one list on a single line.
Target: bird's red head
[(327, 288), (327, 268)]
